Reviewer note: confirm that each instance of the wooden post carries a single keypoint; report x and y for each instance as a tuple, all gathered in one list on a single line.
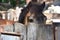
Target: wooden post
[(54, 32)]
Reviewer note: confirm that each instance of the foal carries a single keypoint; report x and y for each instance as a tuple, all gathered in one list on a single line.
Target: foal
[(35, 10)]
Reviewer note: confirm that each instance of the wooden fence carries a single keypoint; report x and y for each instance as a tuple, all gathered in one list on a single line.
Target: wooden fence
[(35, 31)]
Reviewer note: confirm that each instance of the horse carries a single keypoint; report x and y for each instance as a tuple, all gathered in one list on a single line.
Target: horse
[(34, 9)]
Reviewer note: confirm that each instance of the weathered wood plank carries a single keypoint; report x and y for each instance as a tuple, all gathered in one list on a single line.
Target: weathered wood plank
[(57, 31), (17, 28), (45, 32), (20, 28), (8, 28), (39, 32), (32, 31)]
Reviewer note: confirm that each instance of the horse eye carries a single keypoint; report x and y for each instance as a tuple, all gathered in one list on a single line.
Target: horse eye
[(31, 20)]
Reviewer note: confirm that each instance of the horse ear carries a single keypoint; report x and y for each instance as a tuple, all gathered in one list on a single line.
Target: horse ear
[(29, 4), (43, 4)]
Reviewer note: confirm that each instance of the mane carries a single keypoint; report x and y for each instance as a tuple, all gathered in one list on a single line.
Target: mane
[(37, 9), (24, 12)]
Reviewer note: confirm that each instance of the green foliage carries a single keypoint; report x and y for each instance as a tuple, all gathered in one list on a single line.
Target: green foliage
[(13, 2), (22, 2), (0, 0), (4, 1)]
